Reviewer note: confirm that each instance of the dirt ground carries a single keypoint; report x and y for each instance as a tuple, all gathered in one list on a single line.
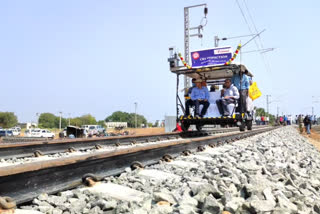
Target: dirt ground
[(314, 137), (141, 131)]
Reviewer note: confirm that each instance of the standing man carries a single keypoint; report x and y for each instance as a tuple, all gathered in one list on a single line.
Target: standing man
[(285, 120), (242, 83), (307, 124), (200, 95), (300, 121), (230, 95)]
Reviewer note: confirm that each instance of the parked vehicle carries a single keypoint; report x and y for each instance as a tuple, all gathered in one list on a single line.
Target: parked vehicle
[(17, 128), (44, 133), (39, 133), (15, 132), (93, 129), (6, 133), (30, 132)]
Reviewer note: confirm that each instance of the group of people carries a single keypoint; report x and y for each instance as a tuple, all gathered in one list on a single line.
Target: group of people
[(221, 100), (262, 120), (307, 121), (285, 120)]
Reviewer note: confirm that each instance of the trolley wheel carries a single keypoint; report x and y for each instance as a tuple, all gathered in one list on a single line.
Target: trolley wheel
[(249, 124), (185, 127), (199, 127), (242, 127)]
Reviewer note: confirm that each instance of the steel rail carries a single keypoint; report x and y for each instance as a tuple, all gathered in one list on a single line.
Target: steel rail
[(28, 149), (26, 181)]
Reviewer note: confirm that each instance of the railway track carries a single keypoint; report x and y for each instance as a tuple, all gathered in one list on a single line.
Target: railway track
[(45, 147), (25, 181)]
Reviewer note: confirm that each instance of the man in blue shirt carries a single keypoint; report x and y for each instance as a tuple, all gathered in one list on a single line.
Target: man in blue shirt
[(199, 96), (243, 88)]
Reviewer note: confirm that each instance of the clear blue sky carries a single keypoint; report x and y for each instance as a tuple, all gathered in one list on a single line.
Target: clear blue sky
[(100, 56)]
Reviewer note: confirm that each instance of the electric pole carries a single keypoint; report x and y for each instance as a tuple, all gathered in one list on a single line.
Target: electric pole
[(135, 114), (268, 103), (60, 120), (187, 35), (315, 99)]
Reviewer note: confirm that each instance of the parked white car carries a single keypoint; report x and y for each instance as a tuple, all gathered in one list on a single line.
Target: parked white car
[(93, 129), (15, 132), (39, 133)]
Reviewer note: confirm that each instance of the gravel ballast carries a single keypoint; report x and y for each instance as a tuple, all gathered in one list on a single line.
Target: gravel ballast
[(277, 172)]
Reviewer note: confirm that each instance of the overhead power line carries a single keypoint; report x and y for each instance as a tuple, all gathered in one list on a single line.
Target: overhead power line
[(260, 40), (251, 31)]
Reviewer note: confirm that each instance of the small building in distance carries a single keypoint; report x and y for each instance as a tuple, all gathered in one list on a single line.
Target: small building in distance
[(27, 125), (112, 125)]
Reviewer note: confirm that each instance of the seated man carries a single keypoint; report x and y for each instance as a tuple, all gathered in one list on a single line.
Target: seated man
[(189, 102), (199, 95), (230, 95)]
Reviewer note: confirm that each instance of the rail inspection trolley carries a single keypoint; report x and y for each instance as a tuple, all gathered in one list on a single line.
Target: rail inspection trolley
[(214, 75)]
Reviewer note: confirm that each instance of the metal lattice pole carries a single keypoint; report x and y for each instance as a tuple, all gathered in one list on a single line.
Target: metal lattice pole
[(186, 43)]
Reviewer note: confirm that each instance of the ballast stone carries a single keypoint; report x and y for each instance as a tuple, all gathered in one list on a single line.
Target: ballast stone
[(246, 176), (116, 191), (22, 211), (183, 164), (262, 205), (156, 174), (211, 205)]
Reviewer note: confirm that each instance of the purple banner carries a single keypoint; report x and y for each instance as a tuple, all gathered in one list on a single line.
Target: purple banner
[(209, 57)]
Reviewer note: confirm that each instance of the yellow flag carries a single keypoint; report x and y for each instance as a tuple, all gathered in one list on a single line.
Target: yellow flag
[(254, 91)]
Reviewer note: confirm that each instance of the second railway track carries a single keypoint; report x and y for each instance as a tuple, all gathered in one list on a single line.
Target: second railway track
[(37, 148)]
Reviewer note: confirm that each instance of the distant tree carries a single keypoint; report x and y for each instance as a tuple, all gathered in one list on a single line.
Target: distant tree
[(120, 116), (150, 124), (86, 119), (8, 119), (47, 120), (64, 122), (102, 123), (140, 120), (76, 121), (156, 124), (262, 112)]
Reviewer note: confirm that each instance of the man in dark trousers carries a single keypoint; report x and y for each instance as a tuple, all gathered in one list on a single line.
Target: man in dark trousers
[(242, 82), (307, 123), (200, 96)]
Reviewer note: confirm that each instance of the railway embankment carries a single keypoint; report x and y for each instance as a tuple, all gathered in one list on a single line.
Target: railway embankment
[(276, 172)]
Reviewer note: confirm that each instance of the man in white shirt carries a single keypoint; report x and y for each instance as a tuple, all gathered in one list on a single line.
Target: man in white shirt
[(230, 95)]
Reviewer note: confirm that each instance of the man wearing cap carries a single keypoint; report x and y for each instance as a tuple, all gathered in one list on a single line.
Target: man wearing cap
[(199, 96), (230, 94)]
